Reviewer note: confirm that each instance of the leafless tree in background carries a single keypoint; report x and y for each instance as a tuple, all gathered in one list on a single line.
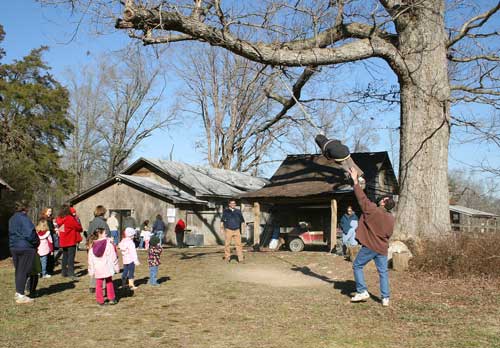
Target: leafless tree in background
[(85, 148), (468, 190), (228, 95), (135, 90), (114, 107)]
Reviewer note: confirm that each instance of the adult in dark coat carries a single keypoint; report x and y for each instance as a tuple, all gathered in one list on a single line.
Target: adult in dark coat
[(23, 242), (99, 222)]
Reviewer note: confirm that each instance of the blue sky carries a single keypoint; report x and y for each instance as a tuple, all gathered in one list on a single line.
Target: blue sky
[(54, 27), (29, 25)]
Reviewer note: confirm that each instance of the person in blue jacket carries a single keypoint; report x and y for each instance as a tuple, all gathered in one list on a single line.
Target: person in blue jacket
[(348, 224), (159, 228), (23, 242)]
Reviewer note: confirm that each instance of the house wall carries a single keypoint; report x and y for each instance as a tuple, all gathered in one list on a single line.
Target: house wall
[(144, 206), (122, 196), (206, 222)]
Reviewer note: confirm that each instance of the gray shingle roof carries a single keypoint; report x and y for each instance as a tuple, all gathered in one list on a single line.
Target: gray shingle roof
[(471, 212), (209, 181), (175, 195)]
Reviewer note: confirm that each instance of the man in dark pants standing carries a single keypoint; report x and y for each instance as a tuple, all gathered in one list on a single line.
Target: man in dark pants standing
[(23, 242), (374, 230), (231, 221)]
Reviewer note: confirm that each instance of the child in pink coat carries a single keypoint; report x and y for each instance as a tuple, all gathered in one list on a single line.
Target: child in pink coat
[(103, 263), (45, 248), (130, 259)]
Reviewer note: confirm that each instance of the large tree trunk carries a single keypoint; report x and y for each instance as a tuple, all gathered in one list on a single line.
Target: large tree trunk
[(423, 209)]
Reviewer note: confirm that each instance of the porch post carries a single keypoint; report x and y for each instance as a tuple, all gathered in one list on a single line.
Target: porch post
[(333, 224), (256, 224)]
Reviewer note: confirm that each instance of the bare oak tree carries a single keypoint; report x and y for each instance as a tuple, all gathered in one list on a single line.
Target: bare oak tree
[(228, 94), (420, 40)]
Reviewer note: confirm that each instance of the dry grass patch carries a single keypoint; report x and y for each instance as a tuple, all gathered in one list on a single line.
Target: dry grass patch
[(204, 302), (459, 255)]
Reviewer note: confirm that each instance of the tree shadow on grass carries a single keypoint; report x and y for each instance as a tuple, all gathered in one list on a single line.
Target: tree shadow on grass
[(55, 288), (188, 256), (346, 287), (82, 273), (145, 280)]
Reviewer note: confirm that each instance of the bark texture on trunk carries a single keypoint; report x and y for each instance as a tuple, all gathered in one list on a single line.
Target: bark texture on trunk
[(423, 209)]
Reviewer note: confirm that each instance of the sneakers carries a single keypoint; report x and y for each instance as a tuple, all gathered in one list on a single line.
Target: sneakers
[(360, 297), (22, 298), (46, 276), (385, 302), (112, 302)]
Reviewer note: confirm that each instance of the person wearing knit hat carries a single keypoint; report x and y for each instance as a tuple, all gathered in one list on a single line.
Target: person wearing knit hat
[(333, 149), (130, 259), (154, 254)]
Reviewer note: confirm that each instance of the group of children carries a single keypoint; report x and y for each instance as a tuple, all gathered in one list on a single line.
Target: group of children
[(103, 262)]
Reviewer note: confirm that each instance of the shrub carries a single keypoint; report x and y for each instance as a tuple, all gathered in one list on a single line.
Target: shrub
[(459, 255)]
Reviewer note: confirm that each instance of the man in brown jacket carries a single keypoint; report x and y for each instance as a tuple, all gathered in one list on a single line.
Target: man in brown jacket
[(375, 227)]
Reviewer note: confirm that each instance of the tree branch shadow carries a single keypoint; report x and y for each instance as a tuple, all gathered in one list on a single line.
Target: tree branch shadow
[(55, 288), (346, 287), (188, 256)]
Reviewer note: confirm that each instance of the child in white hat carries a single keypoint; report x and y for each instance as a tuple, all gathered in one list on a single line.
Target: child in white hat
[(130, 259)]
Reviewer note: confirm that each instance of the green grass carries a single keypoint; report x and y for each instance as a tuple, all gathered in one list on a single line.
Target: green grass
[(205, 305)]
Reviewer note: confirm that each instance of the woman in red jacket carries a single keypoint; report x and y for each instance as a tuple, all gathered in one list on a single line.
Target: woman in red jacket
[(69, 236), (180, 227)]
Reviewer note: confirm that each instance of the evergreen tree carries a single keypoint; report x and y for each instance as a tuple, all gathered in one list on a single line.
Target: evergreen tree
[(33, 128)]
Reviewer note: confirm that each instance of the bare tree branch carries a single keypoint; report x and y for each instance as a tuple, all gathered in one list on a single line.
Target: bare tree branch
[(473, 23)]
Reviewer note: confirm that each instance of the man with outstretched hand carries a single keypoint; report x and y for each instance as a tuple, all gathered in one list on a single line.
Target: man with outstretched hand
[(375, 228)]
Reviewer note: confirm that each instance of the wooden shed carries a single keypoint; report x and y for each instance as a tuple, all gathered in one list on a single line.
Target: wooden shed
[(465, 219), (172, 189), (310, 188)]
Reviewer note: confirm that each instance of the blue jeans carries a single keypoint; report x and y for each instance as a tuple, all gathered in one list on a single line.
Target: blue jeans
[(159, 234), (153, 274), (128, 271), (43, 261), (365, 255), (115, 236)]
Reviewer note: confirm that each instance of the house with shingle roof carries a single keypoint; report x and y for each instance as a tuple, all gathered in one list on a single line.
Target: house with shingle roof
[(174, 190), (311, 189)]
